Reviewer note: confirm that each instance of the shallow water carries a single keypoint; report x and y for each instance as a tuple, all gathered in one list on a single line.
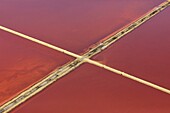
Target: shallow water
[(71, 24), (91, 89), (23, 63), (75, 25), (144, 52)]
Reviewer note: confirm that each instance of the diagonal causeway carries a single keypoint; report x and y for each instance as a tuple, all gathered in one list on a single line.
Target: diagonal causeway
[(67, 68)]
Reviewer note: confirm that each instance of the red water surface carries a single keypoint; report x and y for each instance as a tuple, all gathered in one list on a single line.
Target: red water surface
[(23, 63), (71, 24), (91, 89), (144, 52)]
